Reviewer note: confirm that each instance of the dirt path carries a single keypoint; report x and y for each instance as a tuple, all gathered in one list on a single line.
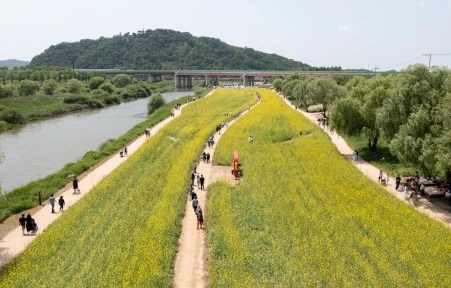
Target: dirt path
[(14, 242), (190, 269), (425, 205)]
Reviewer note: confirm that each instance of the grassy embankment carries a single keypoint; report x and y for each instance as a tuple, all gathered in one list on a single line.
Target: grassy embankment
[(124, 232), (26, 197), (305, 216), (40, 106)]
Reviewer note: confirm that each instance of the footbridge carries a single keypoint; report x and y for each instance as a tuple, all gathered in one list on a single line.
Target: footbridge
[(183, 78)]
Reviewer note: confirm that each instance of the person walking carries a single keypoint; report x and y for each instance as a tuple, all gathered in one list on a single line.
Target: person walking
[(61, 202), (202, 182), (200, 218), (125, 151), (397, 181), (75, 185), (208, 157), (406, 190), (192, 178), (198, 181), (52, 203), (22, 223), (381, 176), (31, 224), (195, 203)]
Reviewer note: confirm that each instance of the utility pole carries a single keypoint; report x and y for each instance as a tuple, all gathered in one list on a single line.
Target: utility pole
[(375, 69), (430, 57)]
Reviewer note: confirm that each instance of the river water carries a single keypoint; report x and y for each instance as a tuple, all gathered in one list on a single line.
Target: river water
[(41, 148)]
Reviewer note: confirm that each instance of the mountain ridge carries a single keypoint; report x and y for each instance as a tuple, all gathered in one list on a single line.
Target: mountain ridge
[(162, 49)]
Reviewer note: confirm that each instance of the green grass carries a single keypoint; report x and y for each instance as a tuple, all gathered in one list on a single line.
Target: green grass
[(26, 197), (124, 232)]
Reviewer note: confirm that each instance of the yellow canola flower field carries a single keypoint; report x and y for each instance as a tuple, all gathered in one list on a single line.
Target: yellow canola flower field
[(124, 232), (303, 216)]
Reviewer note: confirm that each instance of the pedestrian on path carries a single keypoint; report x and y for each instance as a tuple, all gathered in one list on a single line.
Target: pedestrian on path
[(198, 181), (75, 185), (31, 224), (406, 190), (200, 218), (192, 178), (52, 203), (208, 157), (397, 181), (202, 182), (125, 151), (22, 223), (61, 202), (381, 175), (195, 203)]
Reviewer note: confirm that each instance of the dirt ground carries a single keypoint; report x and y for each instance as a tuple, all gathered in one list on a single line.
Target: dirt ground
[(190, 269)]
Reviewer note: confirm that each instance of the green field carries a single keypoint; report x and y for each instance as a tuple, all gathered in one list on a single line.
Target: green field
[(304, 216)]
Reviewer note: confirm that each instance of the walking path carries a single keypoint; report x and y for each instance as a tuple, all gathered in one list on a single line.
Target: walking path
[(190, 270), (424, 204), (14, 243)]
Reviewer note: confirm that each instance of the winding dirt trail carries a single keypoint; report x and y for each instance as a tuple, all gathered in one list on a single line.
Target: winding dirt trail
[(15, 242), (435, 211), (190, 269)]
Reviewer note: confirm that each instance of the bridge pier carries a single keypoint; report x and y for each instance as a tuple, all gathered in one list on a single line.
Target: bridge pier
[(183, 82), (211, 80), (248, 81)]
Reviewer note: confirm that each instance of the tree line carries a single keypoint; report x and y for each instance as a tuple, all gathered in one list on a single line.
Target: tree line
[(411, 111), (163, 49)]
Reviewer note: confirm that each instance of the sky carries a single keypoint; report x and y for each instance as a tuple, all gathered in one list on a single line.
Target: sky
[(348, 33)]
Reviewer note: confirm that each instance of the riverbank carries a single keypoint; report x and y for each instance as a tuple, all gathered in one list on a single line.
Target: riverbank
[(18, 110), (26, 197)]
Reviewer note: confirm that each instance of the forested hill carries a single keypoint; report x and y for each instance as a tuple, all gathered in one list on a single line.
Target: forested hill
[(161, 49), (10, 63)]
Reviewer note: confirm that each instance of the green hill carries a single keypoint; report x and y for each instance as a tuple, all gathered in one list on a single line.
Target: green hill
[(161, 49)]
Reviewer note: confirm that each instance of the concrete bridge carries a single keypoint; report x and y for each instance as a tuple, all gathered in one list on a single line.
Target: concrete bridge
[(183, 78)]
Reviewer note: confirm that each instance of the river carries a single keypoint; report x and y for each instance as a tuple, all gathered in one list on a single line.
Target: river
[(41, 148)]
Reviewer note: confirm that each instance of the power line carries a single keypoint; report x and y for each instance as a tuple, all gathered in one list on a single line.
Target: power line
[(434, 54), (402, 63)]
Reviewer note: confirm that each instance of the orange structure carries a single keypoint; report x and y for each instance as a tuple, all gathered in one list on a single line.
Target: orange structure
[(235, 165)]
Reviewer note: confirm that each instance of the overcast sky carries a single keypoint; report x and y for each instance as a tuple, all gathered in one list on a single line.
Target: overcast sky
[(349, 33)]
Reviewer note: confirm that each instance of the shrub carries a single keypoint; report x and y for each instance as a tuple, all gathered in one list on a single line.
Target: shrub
[(74, 86), (94, 103), (122, 80), (95, 82), (49, 86), (3, 127), (7, 91), (107, 87), (138, 91), (12, 117), (155, 102), (111, 100), (99, 93), (28, 87)]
